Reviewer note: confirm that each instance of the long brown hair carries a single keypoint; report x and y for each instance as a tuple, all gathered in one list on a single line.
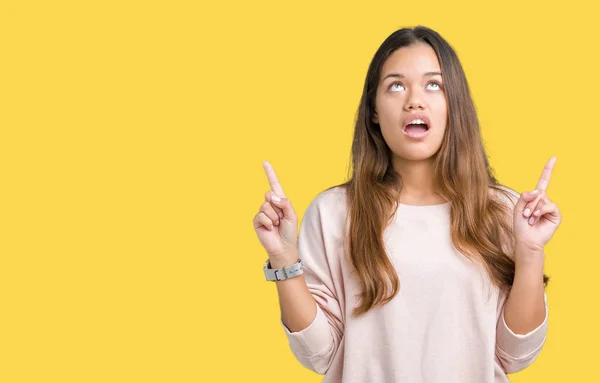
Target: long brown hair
[(481, 223)]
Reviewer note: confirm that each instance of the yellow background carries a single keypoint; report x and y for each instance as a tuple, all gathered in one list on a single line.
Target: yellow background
[(131, 140)]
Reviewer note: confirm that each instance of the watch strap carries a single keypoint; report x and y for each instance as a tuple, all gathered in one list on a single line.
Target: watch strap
[(284, 272)]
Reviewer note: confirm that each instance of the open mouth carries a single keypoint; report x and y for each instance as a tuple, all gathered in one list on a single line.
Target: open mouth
[(417, 129)]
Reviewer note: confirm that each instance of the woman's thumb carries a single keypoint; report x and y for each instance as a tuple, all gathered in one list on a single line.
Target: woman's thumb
[(525, 198), (285, 205)]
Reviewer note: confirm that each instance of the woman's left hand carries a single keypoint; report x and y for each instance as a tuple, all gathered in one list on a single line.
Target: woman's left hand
[(536, 218)]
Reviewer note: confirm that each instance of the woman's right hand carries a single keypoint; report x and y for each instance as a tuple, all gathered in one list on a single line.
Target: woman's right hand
[(276, 223)]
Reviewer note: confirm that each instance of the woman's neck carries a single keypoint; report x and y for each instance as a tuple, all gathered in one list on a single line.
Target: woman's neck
[(418, 182)]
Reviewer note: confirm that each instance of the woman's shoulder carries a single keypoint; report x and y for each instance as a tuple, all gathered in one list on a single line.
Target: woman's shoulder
[(504, 194), (328, 205), (333, 196)]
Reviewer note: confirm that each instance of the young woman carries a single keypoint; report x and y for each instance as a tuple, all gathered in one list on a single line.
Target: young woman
[(422, 267)]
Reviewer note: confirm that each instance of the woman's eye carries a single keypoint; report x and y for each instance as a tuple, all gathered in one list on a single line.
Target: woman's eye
[(396, 86), (435, 84)]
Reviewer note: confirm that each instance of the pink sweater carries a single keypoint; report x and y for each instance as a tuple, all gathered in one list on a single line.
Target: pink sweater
[(445, 325)]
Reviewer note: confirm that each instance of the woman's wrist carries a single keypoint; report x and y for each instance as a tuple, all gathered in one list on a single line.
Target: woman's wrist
[(283, 261)]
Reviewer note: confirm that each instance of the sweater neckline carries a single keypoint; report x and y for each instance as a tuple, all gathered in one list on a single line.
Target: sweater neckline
[(436, 206)]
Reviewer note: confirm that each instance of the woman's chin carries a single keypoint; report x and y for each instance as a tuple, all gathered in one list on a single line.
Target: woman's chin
[(417, 154)]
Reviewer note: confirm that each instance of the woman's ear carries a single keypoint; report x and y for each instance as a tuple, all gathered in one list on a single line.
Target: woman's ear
[(375, 118)]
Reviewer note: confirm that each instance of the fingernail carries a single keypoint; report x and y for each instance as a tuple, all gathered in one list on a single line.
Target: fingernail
[(277, 223), (536, 213), (526, 212), (534, 192), (531, 221), (280, 215), (275, 198)]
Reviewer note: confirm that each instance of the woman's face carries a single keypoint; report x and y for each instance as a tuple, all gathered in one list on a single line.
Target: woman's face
[(410, 104)]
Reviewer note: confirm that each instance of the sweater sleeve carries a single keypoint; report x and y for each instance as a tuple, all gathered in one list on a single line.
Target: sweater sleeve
[(517, 351), (320, 244)]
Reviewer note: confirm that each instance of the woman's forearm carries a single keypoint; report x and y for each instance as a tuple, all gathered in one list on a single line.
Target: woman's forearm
[(298, 307), (525, 309)]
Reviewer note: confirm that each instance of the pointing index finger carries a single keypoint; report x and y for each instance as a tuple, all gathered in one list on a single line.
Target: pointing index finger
[(545, 177), (273, 180)]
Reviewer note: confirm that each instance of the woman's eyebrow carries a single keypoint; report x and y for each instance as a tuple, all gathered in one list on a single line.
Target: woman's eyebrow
[(400, 75)]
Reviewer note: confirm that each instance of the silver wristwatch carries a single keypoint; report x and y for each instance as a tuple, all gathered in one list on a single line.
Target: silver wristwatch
[(283, 273)]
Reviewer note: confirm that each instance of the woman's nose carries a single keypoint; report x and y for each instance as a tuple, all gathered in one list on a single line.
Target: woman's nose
[(414, 101)]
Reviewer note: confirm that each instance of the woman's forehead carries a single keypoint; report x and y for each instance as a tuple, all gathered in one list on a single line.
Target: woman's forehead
[(417, 59)]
